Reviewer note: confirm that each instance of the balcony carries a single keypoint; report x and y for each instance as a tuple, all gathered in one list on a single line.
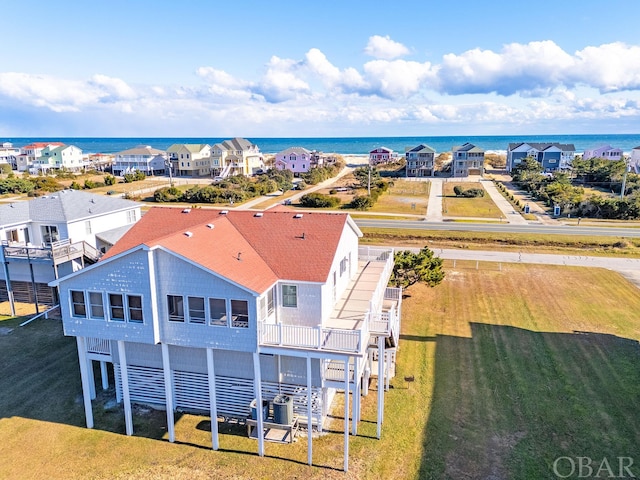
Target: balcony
[(367, 303), (57, 252)]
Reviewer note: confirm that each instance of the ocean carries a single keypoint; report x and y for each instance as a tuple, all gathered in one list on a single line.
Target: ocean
[(347, 145)]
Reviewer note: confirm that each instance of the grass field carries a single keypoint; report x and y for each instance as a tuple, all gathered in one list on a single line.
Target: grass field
[(404, 197), (513, 369), (453, 206)]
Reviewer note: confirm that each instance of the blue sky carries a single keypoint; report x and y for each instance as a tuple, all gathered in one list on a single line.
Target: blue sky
[(350, 68)]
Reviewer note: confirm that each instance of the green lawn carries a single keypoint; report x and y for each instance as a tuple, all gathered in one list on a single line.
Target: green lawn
[(513, 368), (453, 206), (404, 197)]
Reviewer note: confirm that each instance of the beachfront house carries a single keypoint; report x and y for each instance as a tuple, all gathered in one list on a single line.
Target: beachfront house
[(606, 152), (552, 156), (9, 154), (54, 235), (142, 158), (467, 160), (295, 159), (235, 157), (420, 161), (206, 311), (190, 160), (57, 157), (381, 155), (29, 154)]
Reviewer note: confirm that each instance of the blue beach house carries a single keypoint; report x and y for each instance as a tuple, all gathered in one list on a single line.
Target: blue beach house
[(552, 156)]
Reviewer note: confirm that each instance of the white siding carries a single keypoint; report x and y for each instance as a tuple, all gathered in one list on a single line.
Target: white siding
[(127, 275), (308, 312), (187, 279)]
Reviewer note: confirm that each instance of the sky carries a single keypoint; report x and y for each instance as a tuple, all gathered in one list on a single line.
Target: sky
[(205, 68)]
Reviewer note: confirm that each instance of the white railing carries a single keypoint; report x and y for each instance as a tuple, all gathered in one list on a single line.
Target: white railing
[(44, 314), (313, 337), (373, 254), (98, 345)]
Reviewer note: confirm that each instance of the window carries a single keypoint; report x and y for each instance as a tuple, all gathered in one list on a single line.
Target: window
[(239, 313), (87, 227), (289, 296), (343, 265), (270, 301), (116, 307), (96, 305), (175, 305), (217, 312), (50, 234), (196, 310), (134, 302), (78, 306), (131, 216)]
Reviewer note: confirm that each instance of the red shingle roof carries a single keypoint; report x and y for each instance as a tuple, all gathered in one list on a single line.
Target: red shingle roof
[(251, 250)]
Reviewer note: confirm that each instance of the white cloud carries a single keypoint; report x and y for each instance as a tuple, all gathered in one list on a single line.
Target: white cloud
[(478, 89), (610, 67), (385, 48)]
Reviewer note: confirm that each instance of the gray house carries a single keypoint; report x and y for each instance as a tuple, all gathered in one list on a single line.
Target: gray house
[(552, 156), (55, 235)]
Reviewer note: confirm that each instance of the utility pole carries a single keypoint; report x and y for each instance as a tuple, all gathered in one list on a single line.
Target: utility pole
[(369, 182), (624, 178)]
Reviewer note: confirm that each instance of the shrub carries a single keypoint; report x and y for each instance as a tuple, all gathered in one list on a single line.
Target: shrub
[(109, 180), (361, 202), (5, 168), (318, 200)]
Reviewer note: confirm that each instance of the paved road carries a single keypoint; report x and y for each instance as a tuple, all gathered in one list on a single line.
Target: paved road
[(512, 216), (501, 228)]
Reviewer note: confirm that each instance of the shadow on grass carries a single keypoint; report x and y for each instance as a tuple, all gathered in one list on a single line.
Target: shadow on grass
[(508, 402)]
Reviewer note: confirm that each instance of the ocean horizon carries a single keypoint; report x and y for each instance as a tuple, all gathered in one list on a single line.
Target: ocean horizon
[(344, 145)]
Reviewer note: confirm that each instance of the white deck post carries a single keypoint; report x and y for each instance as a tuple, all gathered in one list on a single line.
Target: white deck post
[(212, 399), (168, 392), (92, 378), (104, 375), (258, 389), (86, 391), (124, 373), (387, 370), (380, 384), (355, 414), (309, 414), (346, 415)]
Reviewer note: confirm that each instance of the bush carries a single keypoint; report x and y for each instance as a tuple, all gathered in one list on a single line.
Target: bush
[(109, 180), (5, 168), (318, 200), (470, 193), (361, 202)]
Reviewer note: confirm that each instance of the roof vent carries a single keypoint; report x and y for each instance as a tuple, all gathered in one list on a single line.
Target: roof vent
[(210, 225), (186, 210), (188, 234), (259, 214), (297, 215), (224, 212)]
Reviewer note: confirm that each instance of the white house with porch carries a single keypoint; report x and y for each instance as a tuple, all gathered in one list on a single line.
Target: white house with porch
[(207, 311), (54, 235)]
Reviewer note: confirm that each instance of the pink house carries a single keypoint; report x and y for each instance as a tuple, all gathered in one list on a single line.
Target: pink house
[(606, 152), (380, 155), (296, 159)]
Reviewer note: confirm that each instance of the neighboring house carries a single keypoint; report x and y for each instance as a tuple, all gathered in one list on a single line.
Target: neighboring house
[(606, 152), (9, 154), (634, 159), (235, 157), (54, 235), (190, 160), (381, 155), (146, 159), (420, 161), (205, 311), (295, 159), (467, 160), (58, 157), (100, 161), (552, 156), (30, 153)]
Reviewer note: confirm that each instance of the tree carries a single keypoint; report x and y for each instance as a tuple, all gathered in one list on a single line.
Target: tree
[(362, 176), (410, 267)]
